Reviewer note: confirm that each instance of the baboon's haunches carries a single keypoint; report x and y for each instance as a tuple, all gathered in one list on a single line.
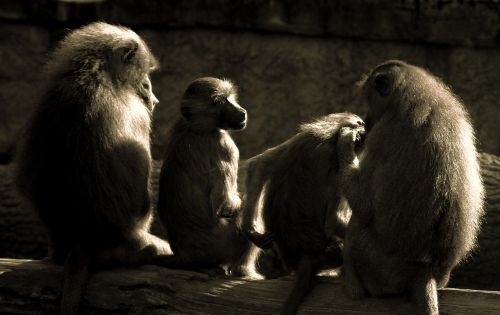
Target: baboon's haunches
[(416, 192), (198, 197), (86, 159), (302, 209)]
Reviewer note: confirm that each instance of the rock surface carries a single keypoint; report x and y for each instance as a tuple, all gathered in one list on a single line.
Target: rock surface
[(293, 60)]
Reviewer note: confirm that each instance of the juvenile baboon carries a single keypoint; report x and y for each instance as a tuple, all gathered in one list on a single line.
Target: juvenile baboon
[(294, 187), (85, 161), (198, 201), (415, 191)]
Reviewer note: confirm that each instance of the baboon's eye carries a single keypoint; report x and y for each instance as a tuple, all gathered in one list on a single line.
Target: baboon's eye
[(217, 102), (145, 84), (186, 112), (382, 84)]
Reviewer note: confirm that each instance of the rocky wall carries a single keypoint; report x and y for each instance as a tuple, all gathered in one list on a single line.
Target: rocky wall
[(283, 78)]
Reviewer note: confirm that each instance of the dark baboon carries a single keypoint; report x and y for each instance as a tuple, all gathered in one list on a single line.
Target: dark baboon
[(198, 197), (416, 192), (294, 188), (85, 162)]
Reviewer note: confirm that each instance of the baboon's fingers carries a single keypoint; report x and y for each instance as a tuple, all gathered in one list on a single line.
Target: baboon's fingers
[(349, 135)]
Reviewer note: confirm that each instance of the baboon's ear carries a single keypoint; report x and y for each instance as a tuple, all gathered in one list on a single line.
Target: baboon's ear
[(382, 84), (122, 58)]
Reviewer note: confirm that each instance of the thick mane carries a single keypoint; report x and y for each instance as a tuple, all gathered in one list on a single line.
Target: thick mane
[(88, 54)]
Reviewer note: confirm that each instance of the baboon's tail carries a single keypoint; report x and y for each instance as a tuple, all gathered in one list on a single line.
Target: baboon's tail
[(76, 272), (424, 292), (304, 282)]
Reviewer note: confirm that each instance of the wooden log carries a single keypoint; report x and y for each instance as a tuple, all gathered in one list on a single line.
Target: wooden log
[(33, 287)]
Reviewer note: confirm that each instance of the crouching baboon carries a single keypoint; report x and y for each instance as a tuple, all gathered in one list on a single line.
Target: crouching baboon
[(85, 161), (293, 188), (198, 201), (416, 192)]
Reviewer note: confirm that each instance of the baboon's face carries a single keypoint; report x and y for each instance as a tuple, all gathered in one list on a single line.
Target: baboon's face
[(145, 91), (231, 114), (211, 103)]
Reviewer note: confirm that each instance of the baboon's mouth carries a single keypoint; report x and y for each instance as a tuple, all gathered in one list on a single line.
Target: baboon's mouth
[(242, 124)]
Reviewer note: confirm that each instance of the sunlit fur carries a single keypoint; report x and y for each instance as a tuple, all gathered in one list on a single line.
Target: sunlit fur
[(198, 181), (224, 89), (417, 193), (301, 204), (85, 161)]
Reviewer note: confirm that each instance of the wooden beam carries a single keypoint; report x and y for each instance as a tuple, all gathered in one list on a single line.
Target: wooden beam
[(33, 287)]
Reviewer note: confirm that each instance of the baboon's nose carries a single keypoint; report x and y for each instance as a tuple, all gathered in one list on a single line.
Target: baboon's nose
[(243, 115)]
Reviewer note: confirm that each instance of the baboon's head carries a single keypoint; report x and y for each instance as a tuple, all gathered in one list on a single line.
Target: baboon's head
[(105, 56), (403, 91), (211, 103)]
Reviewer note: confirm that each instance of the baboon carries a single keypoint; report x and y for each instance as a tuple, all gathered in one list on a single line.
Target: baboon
[(198, 200), (415, 190), (294, 188), (85, 161)]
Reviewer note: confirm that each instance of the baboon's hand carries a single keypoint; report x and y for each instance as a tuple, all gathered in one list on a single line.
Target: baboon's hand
[(261, 240), (348, 139), (349, 136), (227, 213)]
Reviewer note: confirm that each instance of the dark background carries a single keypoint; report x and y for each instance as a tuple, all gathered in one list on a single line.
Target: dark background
[(292, 61)]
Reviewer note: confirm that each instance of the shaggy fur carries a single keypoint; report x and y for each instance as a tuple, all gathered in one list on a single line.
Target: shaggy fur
[(416, 192), (293, 189), (85, 161), (198, 201)]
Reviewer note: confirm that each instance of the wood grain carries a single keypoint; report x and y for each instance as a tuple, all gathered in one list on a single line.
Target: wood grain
[(33, 287)]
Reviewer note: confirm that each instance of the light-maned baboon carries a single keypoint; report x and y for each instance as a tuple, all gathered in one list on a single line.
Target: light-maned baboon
[(293, 189), (415, 190), (198, 201), (85, 161)]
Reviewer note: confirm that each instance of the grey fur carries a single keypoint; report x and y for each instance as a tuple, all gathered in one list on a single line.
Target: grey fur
[(416, 194), (293, 189), (85, 161), (198, 201)]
